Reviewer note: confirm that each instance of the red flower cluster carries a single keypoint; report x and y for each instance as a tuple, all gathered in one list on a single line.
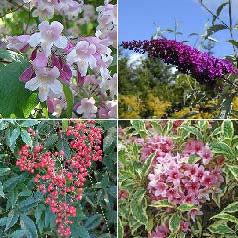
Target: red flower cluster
[(62, 178)]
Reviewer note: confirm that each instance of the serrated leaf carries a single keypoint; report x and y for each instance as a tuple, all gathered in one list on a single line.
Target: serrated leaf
[(219, 228), (29, 225), (26, 137), (231, 208), (174, 222), (93, 221), (187, 207), (11, 219), (162, 204)]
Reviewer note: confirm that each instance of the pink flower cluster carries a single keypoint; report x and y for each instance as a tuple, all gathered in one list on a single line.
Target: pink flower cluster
[(82, 63), (174, 178), (46, 9)]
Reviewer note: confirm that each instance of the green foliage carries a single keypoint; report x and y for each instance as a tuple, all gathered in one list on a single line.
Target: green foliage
[(23, 211)]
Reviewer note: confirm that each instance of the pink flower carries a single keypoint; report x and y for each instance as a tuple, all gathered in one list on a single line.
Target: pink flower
[(87, 108), (49, 35), (18, 42), (82, 54), (194, 147), (27, 75), (46, 81), (112, 109), (206, 154), (160, 232), (174, 176)]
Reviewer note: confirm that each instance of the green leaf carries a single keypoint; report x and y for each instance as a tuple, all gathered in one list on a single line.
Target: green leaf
[(147, 165), (14, 136), (138, 207), (12, 92), (93, 222), (3, 221), (18, 234), (26, 137), (69, 100), (221, 148), (174, 222), (219, 10), (30, 104), (193, 130), (187, 207), (13, 181), (231, 208), (227, 129), (51, 140), (4, 171), (234, 172), (109, 140), (225, 217), (233, 42), (215, 28), (28, 203), (29, 225), (219, 228), (139, 127), (10, 55), (162, 204), (1, 190), (79, 231), (120, 229), (11, 219), (30, 123), (65, 124)]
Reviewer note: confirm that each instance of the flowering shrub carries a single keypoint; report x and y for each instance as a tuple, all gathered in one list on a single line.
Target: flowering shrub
[(181, 69), (73, 72), (202, 66), (176, 178), (57, 167)]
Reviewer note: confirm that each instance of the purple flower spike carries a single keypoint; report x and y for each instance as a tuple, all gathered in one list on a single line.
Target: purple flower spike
[(201, 66)]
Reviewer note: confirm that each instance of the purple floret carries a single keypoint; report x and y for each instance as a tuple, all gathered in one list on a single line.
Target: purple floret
[(201, 66)]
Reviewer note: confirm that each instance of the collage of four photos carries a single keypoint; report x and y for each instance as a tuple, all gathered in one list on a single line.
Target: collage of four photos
[(118, 119)]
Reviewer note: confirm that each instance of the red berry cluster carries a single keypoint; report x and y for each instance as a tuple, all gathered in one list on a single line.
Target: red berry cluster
[(60, 178)]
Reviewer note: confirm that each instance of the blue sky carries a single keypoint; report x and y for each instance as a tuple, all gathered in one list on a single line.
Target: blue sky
[(138, 19)]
